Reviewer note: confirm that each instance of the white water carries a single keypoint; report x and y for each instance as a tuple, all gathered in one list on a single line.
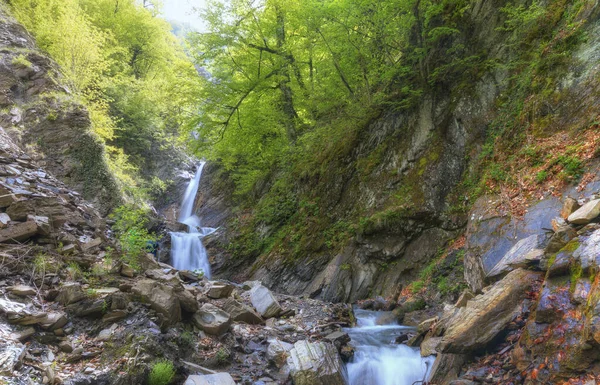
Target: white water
[(378, 360), (187, 250)]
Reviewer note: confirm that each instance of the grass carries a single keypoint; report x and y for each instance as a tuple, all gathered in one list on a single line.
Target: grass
[(162, 373)]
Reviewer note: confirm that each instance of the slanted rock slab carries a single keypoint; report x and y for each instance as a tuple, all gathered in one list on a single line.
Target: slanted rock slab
[(474, 326), (316, 363), (18, 232), (586, 213), (210, 379), (264, 302), (219, 290)]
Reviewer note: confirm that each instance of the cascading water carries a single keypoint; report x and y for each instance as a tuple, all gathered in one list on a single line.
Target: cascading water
[(378, 360), (187, 250)]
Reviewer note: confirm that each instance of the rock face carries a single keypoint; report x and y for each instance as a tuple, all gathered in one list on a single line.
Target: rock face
[(316, 364), (212, 320), (264, 302), (474, 326), (526, 252)]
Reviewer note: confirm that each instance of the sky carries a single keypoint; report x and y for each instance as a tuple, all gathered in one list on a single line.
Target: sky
[(182, 11)]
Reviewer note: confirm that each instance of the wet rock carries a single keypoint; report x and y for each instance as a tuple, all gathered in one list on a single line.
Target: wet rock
[(338, 339), (22, 290), (11, 355), (316, 364), (18, 232), (264, 302), (241, 313), (569, 207), (70, 293), (586, 213), (474, 326), (278, 352), (210, 379), (219, 290), (212, 320)]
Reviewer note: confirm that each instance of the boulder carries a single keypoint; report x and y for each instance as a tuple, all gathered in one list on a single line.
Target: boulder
[(22, 290), (127, 271), (219, 290), (70, 293), (278, 352), (18, 232), (524, 253), (212, 320), (264, 302), (473, 327), (241, 313), (162, 299), (569, 207), (187, 300), (586, 213), (316, 363), (210, 379)]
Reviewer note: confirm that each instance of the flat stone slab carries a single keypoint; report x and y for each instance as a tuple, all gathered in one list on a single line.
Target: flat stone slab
[(586, 213), (210, 379)]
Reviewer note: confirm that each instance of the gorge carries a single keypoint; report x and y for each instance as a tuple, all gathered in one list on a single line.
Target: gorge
[(395, 192)]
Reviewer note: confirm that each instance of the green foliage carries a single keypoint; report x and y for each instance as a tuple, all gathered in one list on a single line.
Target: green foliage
[(130, 229), (162, 373), (21, 61), (222, 356)]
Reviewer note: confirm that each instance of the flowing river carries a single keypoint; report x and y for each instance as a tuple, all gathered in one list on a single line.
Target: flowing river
[(187, 250), (378, 360)]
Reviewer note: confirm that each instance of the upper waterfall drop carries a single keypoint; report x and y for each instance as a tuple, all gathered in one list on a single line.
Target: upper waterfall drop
[(187, 250)]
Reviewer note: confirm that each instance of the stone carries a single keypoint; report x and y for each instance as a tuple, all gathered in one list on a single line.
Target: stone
[(519, 255), (115, 315), (586, 213), (7, 200), (105, 334), (241, 313), (69, 293), (43, 224), (560, 238), (219, 290), (24, 334), (22, 290), (278, 352), (4, 220), (127, 271), (569, 207), (162, 299), (211, 319), (187, 300), (473, 327), (426, 325), (316, 363), (18, 232), (210, 379), (338, 338), (87, 243), (264, 302), (65, 346), (11, 355), (53, 321)]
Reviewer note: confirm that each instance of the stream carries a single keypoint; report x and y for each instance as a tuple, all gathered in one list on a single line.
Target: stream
[(378, 360), (187, 250)]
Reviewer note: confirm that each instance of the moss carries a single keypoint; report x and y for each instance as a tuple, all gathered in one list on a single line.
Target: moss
[(576, 273), (21, 61)]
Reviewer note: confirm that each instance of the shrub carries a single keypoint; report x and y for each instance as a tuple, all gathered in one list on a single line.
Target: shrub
[(130, 227), (162, 373)]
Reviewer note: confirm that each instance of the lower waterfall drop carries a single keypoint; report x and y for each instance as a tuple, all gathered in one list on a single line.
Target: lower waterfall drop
[(378, 360), (187, 250)]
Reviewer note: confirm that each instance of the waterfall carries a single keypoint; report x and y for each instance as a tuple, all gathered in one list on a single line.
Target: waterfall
[(378, 360), (187, 250)]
